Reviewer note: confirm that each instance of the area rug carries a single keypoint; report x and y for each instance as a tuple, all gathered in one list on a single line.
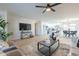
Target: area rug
[(32, 50)]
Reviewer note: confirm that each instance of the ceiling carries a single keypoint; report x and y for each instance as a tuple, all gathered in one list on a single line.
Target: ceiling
[(28, 10)]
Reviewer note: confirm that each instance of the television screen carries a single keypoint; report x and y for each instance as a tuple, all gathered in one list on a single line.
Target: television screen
[(23, 26)]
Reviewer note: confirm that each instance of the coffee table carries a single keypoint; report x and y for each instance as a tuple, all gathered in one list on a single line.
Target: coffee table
[(47, 48)]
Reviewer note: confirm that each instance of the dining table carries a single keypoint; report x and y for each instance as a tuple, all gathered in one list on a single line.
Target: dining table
[(69, 33)]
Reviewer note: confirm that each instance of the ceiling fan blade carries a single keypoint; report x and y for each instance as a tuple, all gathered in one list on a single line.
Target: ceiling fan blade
[(41, 6), (55, 4), (52, 10), (44, 11)]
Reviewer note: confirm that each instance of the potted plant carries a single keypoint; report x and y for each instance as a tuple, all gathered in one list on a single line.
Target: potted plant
[(3, 34)]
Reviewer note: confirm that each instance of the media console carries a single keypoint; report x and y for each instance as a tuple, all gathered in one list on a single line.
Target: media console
[(26, 34)]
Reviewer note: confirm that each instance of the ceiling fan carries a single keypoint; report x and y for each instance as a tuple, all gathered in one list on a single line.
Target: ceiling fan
[(48, 7)]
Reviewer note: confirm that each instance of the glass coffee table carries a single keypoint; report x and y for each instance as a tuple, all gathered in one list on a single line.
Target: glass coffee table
[(47, 48)]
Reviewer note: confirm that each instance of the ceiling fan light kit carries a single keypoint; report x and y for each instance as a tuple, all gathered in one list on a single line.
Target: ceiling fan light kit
[(48, 9)]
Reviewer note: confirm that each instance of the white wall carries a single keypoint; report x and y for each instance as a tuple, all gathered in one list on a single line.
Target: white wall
[(3, 14), (14, 25)]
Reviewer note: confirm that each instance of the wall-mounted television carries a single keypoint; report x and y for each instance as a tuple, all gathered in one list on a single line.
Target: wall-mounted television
[(24, 26)]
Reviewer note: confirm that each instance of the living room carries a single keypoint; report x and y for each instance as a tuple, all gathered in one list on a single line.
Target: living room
[(30, 26)]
